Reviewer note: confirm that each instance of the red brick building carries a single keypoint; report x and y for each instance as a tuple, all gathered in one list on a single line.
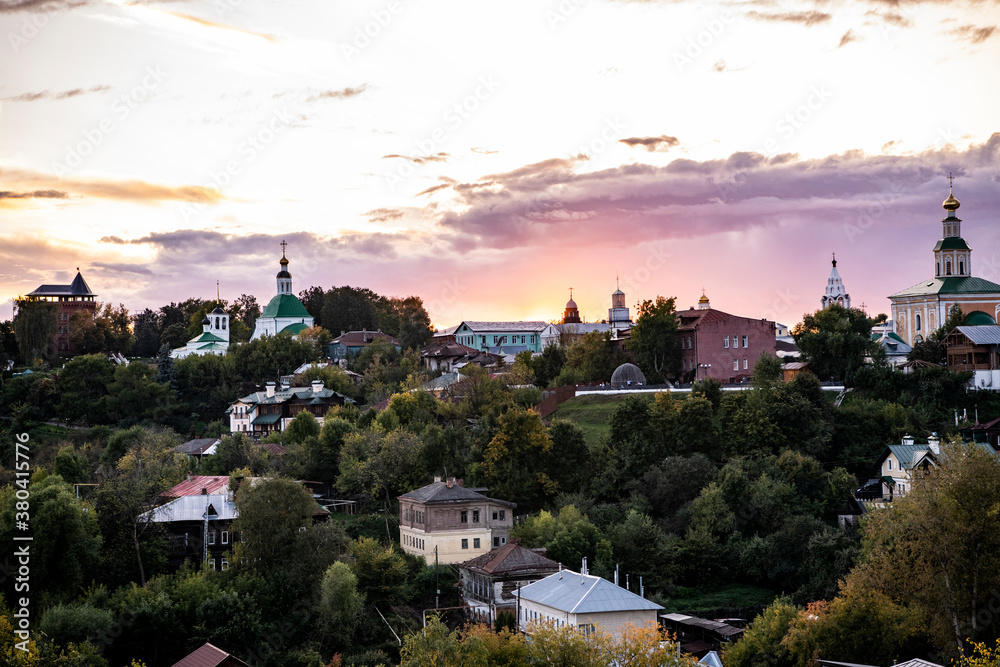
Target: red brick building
[(70, 299), (718, 345)]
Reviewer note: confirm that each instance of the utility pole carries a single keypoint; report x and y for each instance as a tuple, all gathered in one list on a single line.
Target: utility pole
[(437, 582)]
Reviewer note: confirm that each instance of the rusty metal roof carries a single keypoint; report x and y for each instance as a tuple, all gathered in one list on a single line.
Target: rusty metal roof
[(511, 557), (193, 486)]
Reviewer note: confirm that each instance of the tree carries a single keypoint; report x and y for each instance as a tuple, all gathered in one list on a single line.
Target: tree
[(653, 340), (761, 643), (66, 542), (131, 489), (302, 427), (35, 326), (381, 464), (174, 335), (380, 570), (83, 385), (510, 460), (594, 357), (340, 604), (148, 327), (271, 512), (135, 395), (835, 341), (107, 329), (548, 364), (349, 309), (937, 548)]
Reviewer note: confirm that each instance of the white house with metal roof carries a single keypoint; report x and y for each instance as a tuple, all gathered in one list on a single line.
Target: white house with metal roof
[(284, 313), (582, 601)]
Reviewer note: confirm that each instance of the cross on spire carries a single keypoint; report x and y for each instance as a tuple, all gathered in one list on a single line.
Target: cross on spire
[(951, 181), (283, 244)]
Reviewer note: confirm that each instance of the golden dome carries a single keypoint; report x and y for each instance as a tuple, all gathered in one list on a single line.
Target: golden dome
[(950, 204), (703, 299)]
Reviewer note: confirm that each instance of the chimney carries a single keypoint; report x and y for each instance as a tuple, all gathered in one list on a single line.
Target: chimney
[(190, 476), (269, 389), (437, 478), (317, 386), (204, 491), (934, 442), (451, 482), (907, 439)]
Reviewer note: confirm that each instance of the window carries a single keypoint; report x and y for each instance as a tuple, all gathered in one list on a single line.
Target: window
[(496, 542), (211, 537), (495, 515), (225, 537), (746, 341), (736, 364), (211, 564), (725, 341), (745, 362), (465, 543), (690, 346), (918, 314), (937, 269), (947, 268), (475, 543), (475, 516), (503, 540), (465, 516), (225, 564), (503, 515), (961, 268)]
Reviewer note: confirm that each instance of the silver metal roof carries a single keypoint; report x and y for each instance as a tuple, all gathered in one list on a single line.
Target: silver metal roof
[(985, 334), (192, 508), (583, 594)]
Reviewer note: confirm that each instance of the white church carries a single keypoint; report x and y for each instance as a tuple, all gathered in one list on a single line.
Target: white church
[(284, 313), (214, 338)]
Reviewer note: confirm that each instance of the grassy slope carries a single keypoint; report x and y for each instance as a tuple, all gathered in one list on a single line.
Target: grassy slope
[(591, 413)]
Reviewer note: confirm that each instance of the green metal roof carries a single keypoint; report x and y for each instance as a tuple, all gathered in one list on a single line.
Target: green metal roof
[(294, 328), (285, 305), (952, 243), (266, 419), (977, 318), (951, 285), (208, 337)]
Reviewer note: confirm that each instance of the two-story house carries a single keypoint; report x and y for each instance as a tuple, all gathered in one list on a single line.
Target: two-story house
[(897, 463), (350, 344), (501, 337), (446, 521), (263, 412), (488, 581), (583, 601)]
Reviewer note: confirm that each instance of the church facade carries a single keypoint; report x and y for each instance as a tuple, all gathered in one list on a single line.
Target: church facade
[(214, 338), (921, 309), (284, 313)]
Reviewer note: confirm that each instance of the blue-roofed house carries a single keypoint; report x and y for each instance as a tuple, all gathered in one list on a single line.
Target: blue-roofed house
[(583, 601), (897, 463), (895, 347)]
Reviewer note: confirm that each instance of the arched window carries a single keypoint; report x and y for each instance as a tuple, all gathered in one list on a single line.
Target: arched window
[(947, 268), (937, 269), (961, 268), (216, 321), (918, 321), (223, 323)]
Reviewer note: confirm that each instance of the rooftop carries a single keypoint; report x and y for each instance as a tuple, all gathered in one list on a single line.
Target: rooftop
[(447, 492), (195, 483), (78, 287), (576, 593), (511, 557), (950, 285)]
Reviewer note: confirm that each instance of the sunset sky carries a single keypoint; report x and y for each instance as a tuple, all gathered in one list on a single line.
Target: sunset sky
[(489, 156)]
